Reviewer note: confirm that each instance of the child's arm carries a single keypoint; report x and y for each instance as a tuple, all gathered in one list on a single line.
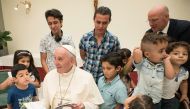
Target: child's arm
[(128, 66), (168, 67), (9, 81), (184, 90), (118, 106), (137, 55), (36, 83), (9, 106)]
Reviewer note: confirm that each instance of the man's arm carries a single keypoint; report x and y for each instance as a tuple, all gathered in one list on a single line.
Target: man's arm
[(43, 57), (82, 54)]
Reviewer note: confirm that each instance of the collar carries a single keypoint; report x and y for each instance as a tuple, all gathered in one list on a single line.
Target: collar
[(70, 72), (165, 30), (104, 36), (117, 78), (54, 35), (152, 64)]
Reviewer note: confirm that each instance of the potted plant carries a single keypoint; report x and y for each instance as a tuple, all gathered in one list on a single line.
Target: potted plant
[(4, 37)]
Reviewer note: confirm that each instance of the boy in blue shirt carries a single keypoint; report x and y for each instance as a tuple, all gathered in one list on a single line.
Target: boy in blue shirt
[(111, 87), (22, 92), (152, 64)]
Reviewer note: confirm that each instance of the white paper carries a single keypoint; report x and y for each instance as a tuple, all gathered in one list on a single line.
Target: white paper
[(34, 105)]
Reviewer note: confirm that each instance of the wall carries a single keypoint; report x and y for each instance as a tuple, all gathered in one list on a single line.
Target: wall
[(1, 19), (129, 20)]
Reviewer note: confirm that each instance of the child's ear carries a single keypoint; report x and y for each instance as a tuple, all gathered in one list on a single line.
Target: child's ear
[(15, 80), (146, 54), (118, 68)]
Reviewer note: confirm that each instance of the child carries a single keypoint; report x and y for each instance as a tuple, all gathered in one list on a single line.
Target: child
[(128, 67), (25, 57), (179, 52), (150, 62), (22, 91), (110, 85), (139, 102)]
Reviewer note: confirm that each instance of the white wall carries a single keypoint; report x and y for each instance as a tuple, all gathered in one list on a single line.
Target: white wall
[(129, 20)]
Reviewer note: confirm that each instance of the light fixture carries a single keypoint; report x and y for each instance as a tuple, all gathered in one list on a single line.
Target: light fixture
[(27, 5)]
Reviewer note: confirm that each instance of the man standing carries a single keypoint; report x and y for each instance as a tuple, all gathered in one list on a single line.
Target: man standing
[(98, 42), (68, 86), (177, 30), (53, 39)]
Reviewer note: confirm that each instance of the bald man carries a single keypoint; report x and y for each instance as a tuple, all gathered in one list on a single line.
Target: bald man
[(159, 21), (177, 30)]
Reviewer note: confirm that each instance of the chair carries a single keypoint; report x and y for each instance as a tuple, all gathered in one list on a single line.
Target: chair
[(184, 104), (3, 93)]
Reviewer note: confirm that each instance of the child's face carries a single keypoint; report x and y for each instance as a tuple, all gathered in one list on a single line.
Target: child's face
[(22, 77), (157, 52), (109, 71), (179, 56), (25, 61)]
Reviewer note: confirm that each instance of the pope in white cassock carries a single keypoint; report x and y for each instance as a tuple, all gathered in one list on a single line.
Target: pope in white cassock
[(69, 87)]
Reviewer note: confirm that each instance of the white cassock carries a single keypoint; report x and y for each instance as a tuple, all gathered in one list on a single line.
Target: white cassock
[(69, 88)]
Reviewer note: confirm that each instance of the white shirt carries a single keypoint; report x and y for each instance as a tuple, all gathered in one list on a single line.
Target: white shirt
[(171, 86)]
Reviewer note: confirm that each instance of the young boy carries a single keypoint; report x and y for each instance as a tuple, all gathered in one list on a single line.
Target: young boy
[(152, 65), (22, 92), (110, 85)]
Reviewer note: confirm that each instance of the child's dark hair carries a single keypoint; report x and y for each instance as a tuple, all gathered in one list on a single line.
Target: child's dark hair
[(141, 102), (19, 54), (174, 45), (113, 58), (17, 68), (153, 38), (124, 52)]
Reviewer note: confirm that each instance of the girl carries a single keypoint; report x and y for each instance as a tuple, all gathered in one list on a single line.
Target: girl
[(26, 58), (110, 85), (125, 71), (179, 54)]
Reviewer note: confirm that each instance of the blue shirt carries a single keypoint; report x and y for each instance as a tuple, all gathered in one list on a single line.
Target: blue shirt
[(94, 52), (150, 80), (112, 92), (16, 97)]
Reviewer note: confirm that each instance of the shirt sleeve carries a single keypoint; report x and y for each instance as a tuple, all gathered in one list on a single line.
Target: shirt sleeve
[(121, 95), (82, 44), (94, 96), (46, 99), (186, 75), (43, 44), (117, 45)]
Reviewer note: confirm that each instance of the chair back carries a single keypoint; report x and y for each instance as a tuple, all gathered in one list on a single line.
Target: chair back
[(3, 93)]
